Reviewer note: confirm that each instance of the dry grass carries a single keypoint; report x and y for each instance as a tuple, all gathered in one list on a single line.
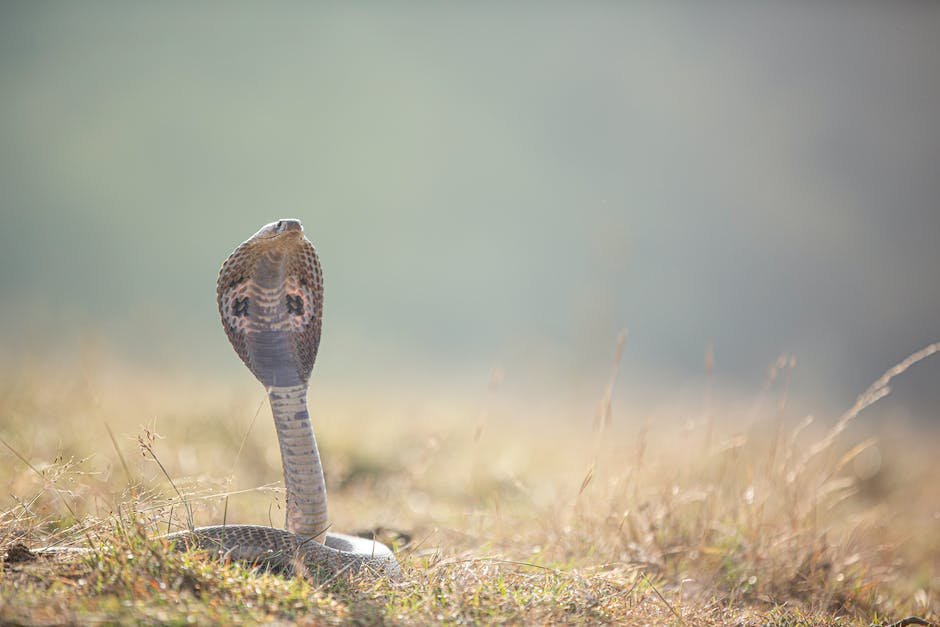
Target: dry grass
[(498, 516)]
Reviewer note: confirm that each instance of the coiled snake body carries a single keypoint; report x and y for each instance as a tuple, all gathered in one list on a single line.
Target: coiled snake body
[(270, 297)]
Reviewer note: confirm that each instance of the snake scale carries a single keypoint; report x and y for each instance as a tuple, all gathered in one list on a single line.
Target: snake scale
[(270, 298)]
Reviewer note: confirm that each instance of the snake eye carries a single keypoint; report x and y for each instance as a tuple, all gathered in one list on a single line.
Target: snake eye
[(280, 223)]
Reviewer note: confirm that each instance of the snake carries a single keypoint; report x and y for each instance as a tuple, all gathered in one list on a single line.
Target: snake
[(270, 299)]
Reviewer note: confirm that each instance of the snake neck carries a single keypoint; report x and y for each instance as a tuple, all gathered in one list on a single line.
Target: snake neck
[(271, 344), (303, 472)]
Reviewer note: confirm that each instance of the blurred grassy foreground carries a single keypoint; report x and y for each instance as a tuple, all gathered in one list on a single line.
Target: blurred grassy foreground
[(497, 515)]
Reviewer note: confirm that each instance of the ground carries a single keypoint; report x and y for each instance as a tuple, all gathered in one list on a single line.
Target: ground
[(498, 511)]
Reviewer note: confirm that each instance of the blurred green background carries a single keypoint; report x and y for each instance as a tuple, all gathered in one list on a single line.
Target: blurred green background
[(490, 185)]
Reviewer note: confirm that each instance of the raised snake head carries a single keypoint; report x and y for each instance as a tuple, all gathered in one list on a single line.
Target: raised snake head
[(270, 297), (273, 230)]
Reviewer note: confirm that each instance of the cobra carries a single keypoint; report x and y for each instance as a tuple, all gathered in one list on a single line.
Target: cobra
[(270, 298)]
